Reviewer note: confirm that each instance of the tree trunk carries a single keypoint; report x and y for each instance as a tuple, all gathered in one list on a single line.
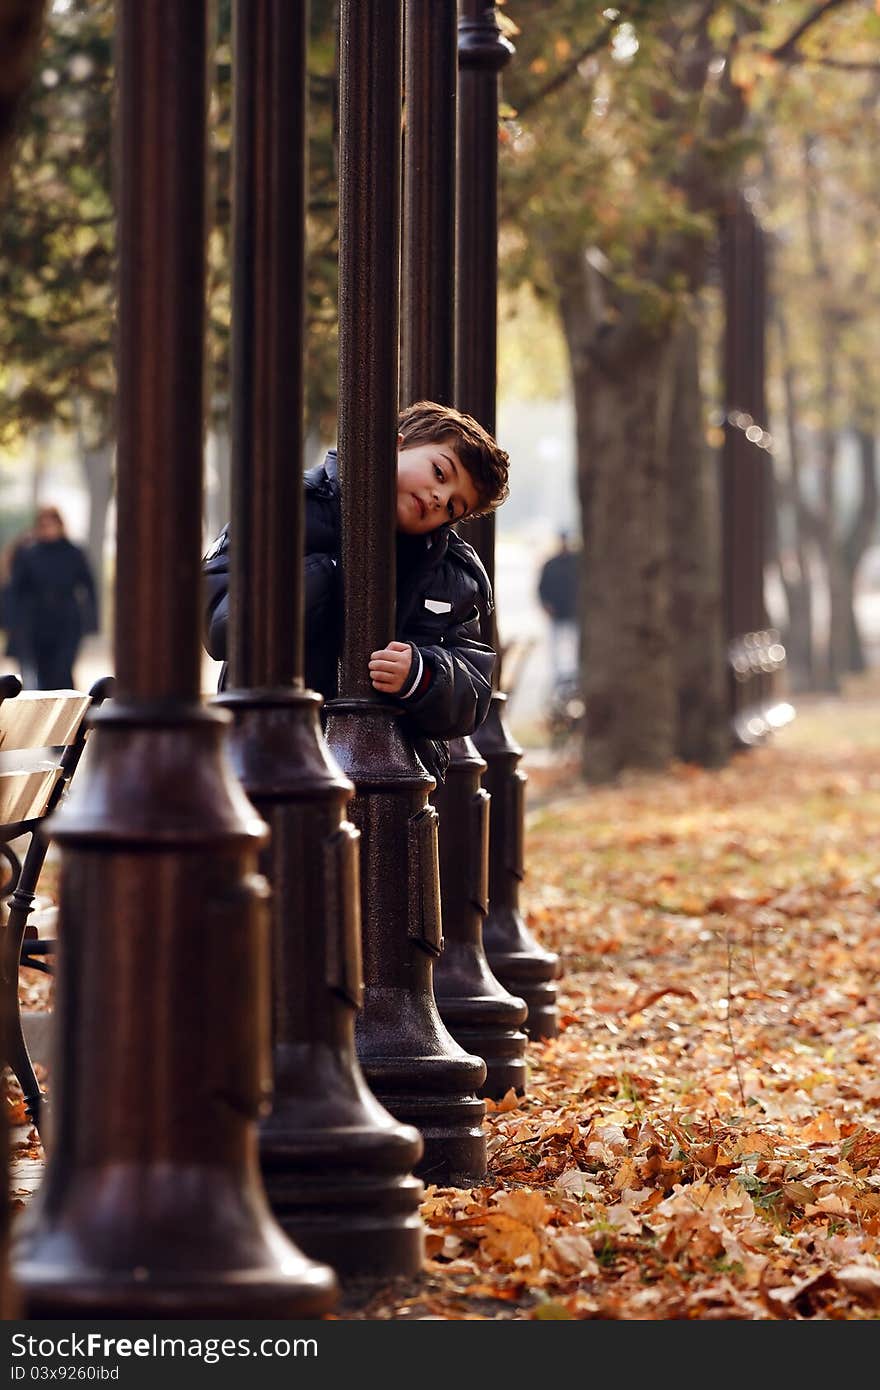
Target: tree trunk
[(859, 538), (794, 566), (820, 265), (856, 661), (97, 466), (626, 653), (839, 600), (799, 632), (42, 442), (703, 734)]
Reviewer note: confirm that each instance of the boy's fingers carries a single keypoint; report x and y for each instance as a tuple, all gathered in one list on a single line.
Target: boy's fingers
[(389, 667), (391, 663)]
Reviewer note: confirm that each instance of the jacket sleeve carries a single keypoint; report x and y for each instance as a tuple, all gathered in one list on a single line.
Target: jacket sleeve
[(320, 581), (215, 589), (458, 682)]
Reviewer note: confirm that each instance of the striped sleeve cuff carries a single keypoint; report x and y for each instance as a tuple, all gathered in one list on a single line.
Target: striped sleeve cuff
[(416, 672), (420, 676)]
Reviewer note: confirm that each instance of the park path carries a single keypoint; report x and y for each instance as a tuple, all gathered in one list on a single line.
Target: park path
[(702, 1140)]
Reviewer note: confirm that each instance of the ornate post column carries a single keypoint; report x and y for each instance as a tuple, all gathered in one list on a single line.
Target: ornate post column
[(514, 955), (411, 1062), (476, 1008), (335, 1163), (20, 32), (10, 1305), (152, 1202)]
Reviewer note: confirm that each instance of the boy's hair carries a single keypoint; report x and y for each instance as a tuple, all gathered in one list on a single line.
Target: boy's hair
[(426, 422)]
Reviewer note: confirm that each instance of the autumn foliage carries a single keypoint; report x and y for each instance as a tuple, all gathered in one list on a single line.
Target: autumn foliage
[(702, 1140)]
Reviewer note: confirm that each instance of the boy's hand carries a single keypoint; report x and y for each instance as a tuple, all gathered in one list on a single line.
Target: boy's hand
[(390, 667)]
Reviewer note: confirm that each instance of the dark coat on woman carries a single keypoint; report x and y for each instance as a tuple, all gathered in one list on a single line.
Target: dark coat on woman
[(52, 605), (442, 591)]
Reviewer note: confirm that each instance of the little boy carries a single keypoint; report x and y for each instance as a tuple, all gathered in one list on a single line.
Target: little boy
[(436, 668)]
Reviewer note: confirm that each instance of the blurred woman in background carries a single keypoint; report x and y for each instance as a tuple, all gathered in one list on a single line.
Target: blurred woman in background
[(52, 604)]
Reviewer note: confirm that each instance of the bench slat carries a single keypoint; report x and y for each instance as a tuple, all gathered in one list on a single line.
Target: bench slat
[(41, 719), (25, 795), (42, 740)]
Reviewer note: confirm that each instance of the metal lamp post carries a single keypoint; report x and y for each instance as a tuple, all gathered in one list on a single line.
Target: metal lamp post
[(474, 1005), (152, 1202), (411, 1062), (335, 1163), (514, 955)]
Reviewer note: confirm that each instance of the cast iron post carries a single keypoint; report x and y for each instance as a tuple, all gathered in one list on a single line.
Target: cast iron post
[(10, 686), (411, 1062), (152, 1202), (21, 29), (335, 1163), (476, 1008), (514, 955)]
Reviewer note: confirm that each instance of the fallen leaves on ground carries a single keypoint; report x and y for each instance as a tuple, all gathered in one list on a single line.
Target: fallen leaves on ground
[(702, 1139)]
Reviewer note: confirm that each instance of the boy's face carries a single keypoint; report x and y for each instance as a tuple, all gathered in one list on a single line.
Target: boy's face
[(433, 487)]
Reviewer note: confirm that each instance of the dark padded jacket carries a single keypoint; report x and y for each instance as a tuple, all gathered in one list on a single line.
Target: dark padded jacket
[(443, 590)]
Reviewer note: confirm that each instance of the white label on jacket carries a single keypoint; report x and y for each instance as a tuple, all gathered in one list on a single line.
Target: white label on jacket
[(438, 605)]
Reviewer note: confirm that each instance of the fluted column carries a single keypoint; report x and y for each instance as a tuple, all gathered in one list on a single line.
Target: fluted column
[(20, 32), (411, 1062), (514, 955), (152, 1202), (336, 1165), (476, 1008)]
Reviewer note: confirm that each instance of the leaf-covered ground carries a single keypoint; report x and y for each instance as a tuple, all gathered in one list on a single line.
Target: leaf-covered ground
[(702, 1140)]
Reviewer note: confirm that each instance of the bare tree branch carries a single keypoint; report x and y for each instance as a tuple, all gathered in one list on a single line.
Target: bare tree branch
[(842, 64), (559, 79), (782, 50)]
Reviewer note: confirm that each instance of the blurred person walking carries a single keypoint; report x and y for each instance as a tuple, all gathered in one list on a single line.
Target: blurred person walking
[(52, 603), (559, 593)]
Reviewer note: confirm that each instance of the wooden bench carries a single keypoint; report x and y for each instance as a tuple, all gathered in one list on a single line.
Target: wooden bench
[(42, 737)]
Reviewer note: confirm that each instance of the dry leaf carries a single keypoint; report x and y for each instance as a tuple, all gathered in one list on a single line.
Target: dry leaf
[(863, 1280)]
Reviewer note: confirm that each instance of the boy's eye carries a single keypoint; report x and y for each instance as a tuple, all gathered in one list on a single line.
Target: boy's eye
[(438, 472)]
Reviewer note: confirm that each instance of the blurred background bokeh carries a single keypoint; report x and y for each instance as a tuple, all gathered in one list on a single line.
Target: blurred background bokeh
[(625, 132)]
